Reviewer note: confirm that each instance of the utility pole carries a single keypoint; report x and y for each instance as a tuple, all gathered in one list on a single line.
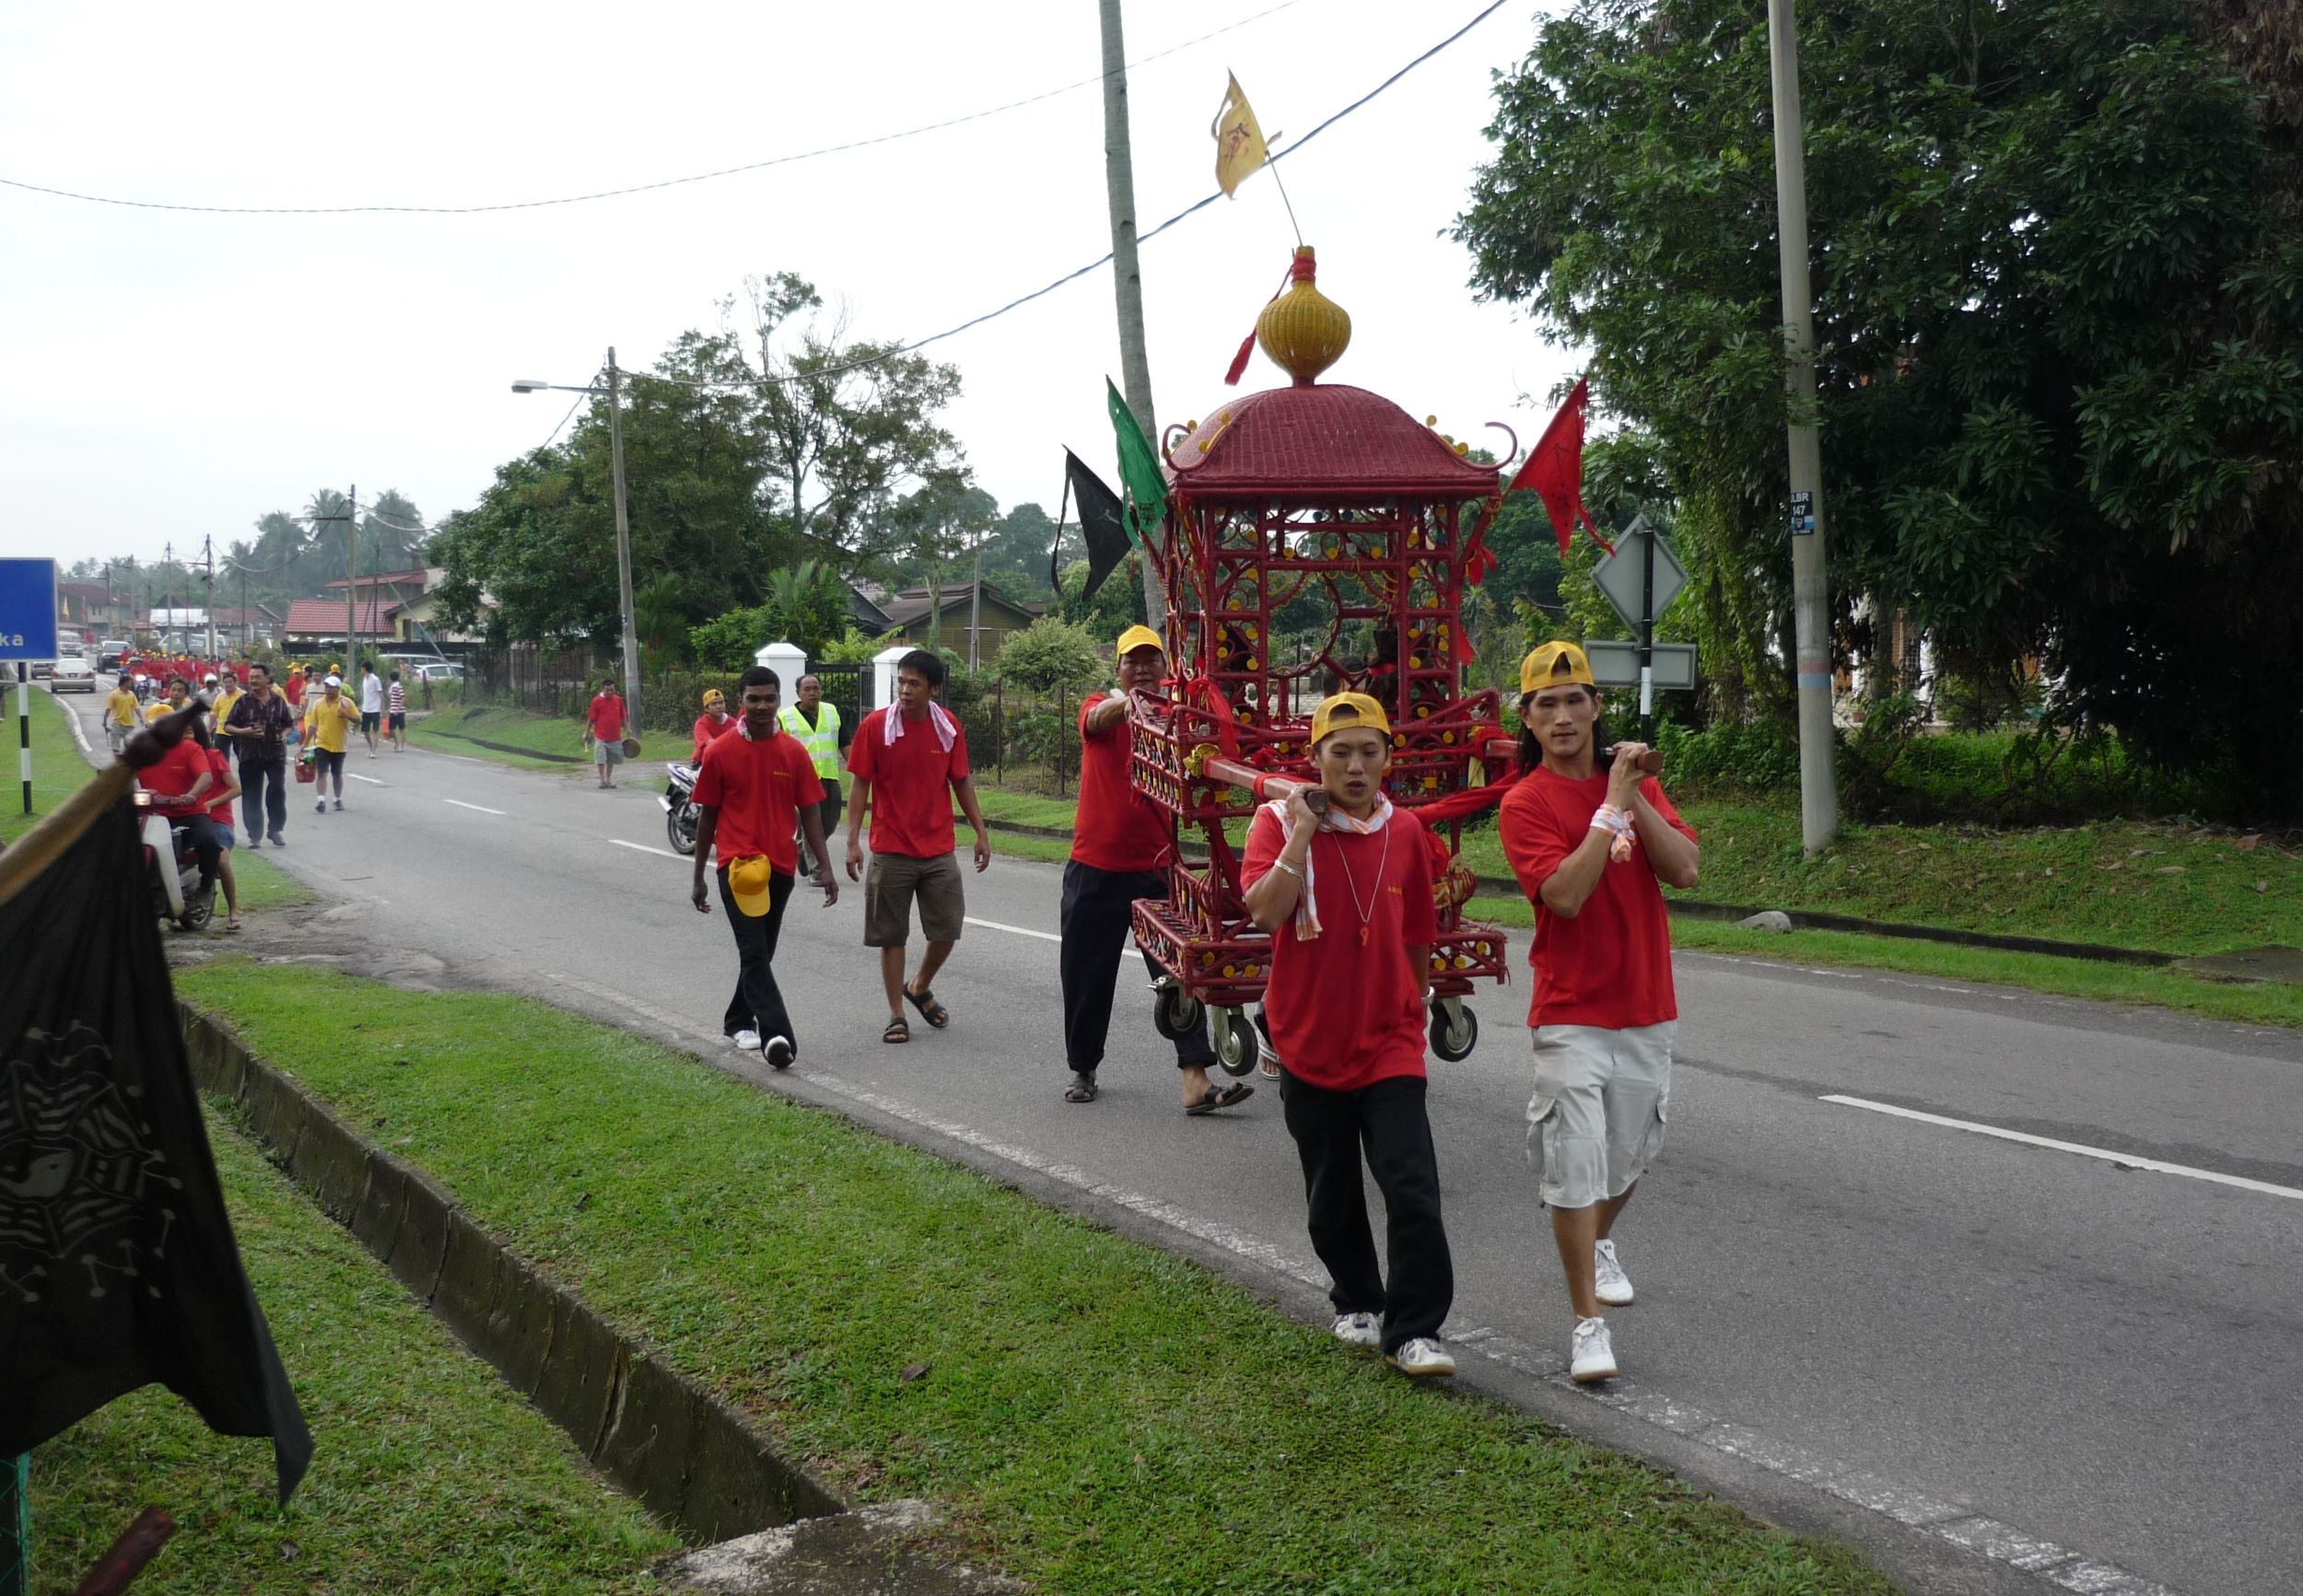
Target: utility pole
[(1119, 186), (351, 578), (207, 546), (1819, 790), (622, 542)]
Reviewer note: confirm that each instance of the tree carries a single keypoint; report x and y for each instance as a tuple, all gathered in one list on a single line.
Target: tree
[(1052, 653), (537, 546), (2059, 312), (1116, 605), (936, 524)]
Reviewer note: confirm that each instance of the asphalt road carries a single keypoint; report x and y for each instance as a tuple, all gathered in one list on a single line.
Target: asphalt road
[(2004, 1343)]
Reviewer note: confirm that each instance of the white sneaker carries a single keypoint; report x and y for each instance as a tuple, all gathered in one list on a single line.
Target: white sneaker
[(1590, 1354), (1359, 1329), (746, 1041), (1423, 1358), (779, 1051), (1614, 1284)]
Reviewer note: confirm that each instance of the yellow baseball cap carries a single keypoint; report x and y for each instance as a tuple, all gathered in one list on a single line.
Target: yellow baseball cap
[(1556, 664), (1357, 708), (1137, 637), (751, 878), (713, 696)]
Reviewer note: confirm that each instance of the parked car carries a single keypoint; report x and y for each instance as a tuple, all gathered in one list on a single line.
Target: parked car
[(111, 652), (71, 673)]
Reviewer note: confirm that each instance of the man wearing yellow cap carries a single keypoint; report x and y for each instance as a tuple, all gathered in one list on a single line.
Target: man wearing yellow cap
[(714, 723), (1122, 844), (1589, 839), (1345, 892), (754, 786)]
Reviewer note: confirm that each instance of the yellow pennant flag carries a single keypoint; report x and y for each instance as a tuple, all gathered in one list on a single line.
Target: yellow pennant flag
[(1239, 143)]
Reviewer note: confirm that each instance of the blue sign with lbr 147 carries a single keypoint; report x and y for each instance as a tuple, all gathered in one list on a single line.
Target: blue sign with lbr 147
[(28, 609)]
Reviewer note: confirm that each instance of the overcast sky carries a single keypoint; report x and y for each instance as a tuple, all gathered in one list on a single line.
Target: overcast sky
[(175, 375)]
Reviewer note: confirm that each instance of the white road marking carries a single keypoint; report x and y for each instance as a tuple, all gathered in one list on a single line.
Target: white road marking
[(1015, 930), (370, 780), (462, 805), (642, 848), (2131, 1161)]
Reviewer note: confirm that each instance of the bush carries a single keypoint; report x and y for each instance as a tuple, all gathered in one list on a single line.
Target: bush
[(1052, 653)]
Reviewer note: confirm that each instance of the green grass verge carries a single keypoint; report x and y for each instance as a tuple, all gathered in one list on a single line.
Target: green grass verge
[(428, 1473), (1066, 1405), (464, 728), (59, 768)]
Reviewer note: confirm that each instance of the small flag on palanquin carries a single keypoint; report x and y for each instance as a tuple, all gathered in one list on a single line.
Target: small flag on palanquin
[(1555, 468), (1139, 468), (1239, 142), (1102, 523)]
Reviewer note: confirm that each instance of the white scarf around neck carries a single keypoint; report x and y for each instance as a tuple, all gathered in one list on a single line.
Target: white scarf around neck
[(1335, 820)]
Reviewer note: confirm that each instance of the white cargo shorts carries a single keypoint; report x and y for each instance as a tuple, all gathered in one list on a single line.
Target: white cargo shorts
[(1596, 1119)]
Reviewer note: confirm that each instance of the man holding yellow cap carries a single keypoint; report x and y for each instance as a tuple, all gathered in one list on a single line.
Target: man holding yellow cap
[(1345, 890), (1589, 839), (1122, 844), (754, 785)]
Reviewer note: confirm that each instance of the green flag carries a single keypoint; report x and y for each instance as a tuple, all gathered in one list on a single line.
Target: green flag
[(1140, 476)]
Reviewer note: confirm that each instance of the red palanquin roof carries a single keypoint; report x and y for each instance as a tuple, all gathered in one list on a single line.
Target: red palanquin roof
[(1326, 436)]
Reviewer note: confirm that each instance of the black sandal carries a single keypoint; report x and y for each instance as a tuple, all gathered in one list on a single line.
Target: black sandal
[(934, 1013), (899, 1030), (1222, 1097), (1083, 1087)]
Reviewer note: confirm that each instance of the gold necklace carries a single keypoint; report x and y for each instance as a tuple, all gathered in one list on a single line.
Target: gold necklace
[(1366, 910)]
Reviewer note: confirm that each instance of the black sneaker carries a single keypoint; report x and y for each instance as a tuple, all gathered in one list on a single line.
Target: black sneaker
[(777, 1052)]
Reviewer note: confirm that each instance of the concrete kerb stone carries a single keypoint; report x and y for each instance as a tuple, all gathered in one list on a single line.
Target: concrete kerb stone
[(687, 1456)]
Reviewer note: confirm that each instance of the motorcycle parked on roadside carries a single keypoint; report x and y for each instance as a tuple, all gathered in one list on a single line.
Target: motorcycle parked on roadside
[(680, 813)]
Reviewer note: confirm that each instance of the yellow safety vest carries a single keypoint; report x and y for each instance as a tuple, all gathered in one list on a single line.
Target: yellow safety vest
[(821, 741)]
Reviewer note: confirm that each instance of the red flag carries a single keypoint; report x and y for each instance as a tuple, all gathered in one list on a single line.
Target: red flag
[(1555, 470)]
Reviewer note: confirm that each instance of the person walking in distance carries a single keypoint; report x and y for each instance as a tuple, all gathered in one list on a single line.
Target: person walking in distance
[(221, 697), (396, 713), (909, 762), (220, 800), (178, 695), (124, 712), (1589, 840), (816, 725), (714, 723), (259, 726), (1121, 847), (327, 730), (1341, 879), (371, 705), (603, 720), (753, 787)]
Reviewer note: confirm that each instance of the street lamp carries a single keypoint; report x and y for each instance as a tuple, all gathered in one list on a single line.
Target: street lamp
[(614, 391)]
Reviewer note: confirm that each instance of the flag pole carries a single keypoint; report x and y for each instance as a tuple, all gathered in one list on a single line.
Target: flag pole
[(1271, 163), (16, 1526)]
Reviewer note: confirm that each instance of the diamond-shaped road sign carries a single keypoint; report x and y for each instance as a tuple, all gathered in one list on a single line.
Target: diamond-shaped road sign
[(1621, 577)]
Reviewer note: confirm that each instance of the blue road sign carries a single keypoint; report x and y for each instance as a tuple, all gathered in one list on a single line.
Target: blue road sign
[(28, 609)]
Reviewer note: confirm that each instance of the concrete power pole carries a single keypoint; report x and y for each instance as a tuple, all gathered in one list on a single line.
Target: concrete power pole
[(624, 543), (1119, 184), (351, 580), (1811, 621)]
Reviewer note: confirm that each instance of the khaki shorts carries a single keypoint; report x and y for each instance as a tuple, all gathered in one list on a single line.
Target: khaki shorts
[(1596, 1119), (893, 880)]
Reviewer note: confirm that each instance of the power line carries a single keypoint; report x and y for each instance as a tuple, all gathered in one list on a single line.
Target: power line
[(635, 188)]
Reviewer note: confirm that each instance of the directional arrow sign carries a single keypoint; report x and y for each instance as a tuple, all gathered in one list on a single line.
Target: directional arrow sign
[(1621, 575)]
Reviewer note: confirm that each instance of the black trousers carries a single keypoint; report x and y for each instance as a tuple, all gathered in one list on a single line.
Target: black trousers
[(1097, 913), (264, 794), (758, 1005), (828, 810), (1387, 1121)]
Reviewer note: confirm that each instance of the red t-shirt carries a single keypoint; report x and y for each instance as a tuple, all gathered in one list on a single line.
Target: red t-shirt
[(1611, 964), (758, 787), (607, 717), (911, 779), (1117, 828), (173, 775), (707, 731), (220, 811), (1345, 1013)]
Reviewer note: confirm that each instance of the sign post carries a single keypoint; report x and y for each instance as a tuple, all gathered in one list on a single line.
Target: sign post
[(1640, 579), (27, 632)]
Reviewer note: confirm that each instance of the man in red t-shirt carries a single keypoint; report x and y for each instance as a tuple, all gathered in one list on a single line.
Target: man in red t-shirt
[(1121, 845), (603, 718), (1589, 843), (715, 722), (179, 783), (1346, 895), (752, 786), (909, 762)]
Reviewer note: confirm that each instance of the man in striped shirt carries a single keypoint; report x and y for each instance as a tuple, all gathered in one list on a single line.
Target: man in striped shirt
[(396, 714)]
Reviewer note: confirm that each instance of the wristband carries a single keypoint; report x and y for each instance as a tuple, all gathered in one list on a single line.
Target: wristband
[(1608, 818)]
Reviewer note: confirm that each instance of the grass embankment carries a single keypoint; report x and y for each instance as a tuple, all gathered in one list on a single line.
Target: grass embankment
[(428, 1473), (523, 740), (58, 770), (1089, 1409)]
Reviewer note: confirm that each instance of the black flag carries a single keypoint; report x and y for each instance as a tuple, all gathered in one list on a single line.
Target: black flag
[(1100, 522), (118, 1266)]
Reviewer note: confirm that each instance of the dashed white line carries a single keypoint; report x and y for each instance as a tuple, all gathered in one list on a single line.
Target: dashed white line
[(2131, 1161), (1014, 930), (370, 780), (462, 805), (642, 848)]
